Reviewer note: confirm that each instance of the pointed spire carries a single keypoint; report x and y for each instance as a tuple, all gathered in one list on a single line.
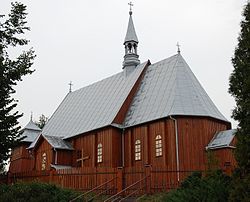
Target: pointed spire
[(131, 58), (131, 34)]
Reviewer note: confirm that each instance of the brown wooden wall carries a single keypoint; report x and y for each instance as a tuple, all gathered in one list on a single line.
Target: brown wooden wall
[(226, 160), (21, 160), (110, 139), (43, 147), (64, 157), (194, 133)]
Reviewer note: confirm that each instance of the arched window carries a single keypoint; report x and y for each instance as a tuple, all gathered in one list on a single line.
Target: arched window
[(137, 150), (158, 145), (99, 153), (44, 159)]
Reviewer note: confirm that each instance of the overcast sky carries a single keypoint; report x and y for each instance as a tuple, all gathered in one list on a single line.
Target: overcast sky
[(82, 41)]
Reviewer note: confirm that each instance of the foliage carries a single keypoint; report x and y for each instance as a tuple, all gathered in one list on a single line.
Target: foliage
[(11, 71), (239, 87), (212, 188), (42, 121), (35, 192)]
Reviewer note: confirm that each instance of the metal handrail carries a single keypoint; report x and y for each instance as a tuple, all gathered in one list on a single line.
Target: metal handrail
[(127, 188), (95, 188)]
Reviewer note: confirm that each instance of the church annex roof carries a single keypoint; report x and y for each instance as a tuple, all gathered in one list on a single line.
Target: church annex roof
[(55, 142), (58, 143), (222, 139), (92, 107), (169, 87)]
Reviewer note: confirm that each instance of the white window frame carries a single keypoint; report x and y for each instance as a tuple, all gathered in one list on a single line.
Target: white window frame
[(44, 159), (99, 153), (158, 145), (138, 150)]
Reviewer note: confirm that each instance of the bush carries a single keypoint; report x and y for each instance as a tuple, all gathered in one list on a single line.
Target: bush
[(212, 188), (35, 192)]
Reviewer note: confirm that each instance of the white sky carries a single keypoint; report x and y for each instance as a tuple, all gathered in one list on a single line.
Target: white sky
[(81, 41)]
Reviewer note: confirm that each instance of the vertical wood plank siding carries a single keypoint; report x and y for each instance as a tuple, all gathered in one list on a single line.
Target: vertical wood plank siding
[(44, 147), (194, 133), (20, 160), (110, 138)]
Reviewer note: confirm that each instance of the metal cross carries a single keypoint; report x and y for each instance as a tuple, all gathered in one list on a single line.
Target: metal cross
[(130, 6), (178, 46), (70, 86)]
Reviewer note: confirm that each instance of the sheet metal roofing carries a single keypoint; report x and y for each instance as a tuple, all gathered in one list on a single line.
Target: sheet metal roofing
[(92, 107), (58, 143), (222, 139), (30, 132), (55, 142), (169, 87)]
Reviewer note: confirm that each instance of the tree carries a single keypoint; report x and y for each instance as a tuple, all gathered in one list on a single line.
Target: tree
[(12, 29), (239, 87), (42, 121)]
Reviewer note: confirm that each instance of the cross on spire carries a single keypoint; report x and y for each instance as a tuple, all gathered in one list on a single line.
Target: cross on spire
[(70, 86), (178, 48), (130, 7)]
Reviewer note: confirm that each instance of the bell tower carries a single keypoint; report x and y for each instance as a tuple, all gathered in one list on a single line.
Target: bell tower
[(131, 57)]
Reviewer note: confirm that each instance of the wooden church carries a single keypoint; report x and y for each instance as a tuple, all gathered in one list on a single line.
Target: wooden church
[(155, 115)]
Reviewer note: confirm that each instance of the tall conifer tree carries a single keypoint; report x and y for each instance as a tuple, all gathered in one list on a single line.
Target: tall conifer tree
[(239, 87), (12, 28)]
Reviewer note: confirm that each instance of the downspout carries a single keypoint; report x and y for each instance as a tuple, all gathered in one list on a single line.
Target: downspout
[(123, 131), (55, 156), (177, 148)]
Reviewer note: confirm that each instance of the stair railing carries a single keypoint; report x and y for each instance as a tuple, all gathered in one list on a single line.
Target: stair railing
[(94, 189), (120, 196)]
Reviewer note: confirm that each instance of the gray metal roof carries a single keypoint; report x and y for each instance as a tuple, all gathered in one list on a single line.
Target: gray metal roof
[(222, 139), (30, 132), (32, 126), (30, 135), (92, 107), (58, 143), (131, 34), (55, 142), (169, 87)]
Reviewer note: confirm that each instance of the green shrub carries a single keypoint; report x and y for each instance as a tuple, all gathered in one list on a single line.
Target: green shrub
[(35, 192), (212, 188)]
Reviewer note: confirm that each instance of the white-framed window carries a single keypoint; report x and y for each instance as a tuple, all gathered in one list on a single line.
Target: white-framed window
[(44, 159), (137, 150), (99, 153), (158, 145)]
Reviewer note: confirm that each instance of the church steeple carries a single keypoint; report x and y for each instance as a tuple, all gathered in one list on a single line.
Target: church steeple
[(130, 43)]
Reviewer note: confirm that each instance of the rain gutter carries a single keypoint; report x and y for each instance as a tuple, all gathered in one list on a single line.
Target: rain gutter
[(177, 148)]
